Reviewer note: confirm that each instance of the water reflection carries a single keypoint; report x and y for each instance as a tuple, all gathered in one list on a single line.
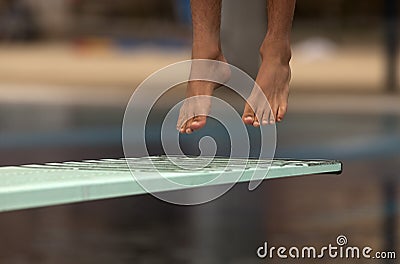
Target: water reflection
[(312, 210)]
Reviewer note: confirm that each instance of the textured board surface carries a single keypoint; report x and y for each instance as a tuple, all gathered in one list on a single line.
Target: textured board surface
[(30, 186)]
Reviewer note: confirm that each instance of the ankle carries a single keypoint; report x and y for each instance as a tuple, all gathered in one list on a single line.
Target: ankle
[(211, 52), (277, 50)]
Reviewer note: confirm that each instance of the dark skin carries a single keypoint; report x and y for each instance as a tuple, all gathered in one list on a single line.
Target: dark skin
[(273, 76)]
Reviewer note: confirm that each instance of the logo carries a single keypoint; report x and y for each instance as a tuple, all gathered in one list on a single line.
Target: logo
[(339, 250), (135, 130)]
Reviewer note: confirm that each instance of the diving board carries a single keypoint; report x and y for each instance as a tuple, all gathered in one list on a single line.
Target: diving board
[(30, 186)]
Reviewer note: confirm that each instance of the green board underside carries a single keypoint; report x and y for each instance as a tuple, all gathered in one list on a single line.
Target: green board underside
[(31, 186)]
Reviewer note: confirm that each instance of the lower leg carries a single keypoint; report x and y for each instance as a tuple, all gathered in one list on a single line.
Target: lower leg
[(274, 74), (206, 17)]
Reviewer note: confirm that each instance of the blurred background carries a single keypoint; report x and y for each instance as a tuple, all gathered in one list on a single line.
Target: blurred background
[(69, 67)]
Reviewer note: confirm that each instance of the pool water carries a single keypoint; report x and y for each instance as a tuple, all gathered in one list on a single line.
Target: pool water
[(361, 204)]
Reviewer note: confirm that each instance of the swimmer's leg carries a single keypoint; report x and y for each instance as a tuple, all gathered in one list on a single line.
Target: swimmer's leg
[(206, 16), (274, 73)]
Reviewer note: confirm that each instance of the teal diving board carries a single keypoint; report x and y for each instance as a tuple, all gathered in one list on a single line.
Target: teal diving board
[(31, 186)]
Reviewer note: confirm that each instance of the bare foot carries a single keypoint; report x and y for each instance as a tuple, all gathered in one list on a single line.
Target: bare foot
[(273, 79), (196, 107)]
